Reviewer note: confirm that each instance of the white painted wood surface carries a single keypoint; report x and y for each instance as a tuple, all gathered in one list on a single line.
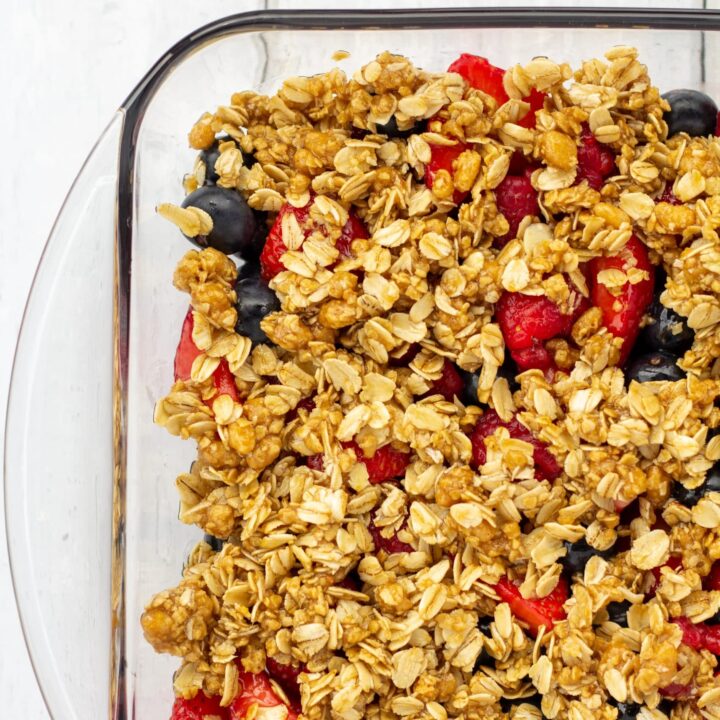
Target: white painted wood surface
[(65, 67)]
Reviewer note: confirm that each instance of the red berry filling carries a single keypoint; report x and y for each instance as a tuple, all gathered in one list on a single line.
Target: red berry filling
[(254, 689), (516, 199), (185, 355), (623, 312), (595, 161), (390, 545), (274, 248), (386, 464), (201, 707), (546, 466), (536, 612), (483, 75), (449, 384), (442, 157)]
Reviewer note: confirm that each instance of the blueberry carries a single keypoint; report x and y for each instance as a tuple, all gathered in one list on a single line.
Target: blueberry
[(578, 554), (692, 112), (690, 498), (668, 331), (654, 366), (390, 128), (468, 396), (249, 269), (234, 223), (714, 620), (484, 657), (255, 300), (507, 705), (210, 156), (617, 612), (627, 711), (215, 543)]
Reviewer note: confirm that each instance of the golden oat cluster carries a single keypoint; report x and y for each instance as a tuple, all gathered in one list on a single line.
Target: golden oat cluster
[(406, 642)]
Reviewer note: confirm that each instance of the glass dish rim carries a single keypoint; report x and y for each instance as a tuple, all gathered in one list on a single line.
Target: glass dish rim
[(132, 111)]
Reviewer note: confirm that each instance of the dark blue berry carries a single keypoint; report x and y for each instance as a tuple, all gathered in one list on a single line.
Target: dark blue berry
[(627, 711), (578, 554), (654, 366), (390, 128), (507, 705), (468, 396), (714, 620), (255, 300), (690, 498), (210, 156), (484, 657), (668, 331), (234, 223), (692, 112), (617, 612), (215, 543)]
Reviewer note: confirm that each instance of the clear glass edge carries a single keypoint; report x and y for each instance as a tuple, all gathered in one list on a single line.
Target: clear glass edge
[(131, 113), (17, 553)]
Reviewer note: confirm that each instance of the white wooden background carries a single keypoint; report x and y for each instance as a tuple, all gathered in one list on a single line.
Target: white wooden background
[(65, 66)]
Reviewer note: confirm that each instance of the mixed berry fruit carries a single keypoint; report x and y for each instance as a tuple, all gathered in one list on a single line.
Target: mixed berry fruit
[(620, 285)]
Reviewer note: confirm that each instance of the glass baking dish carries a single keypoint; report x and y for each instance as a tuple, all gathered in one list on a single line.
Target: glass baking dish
[(90, 499)]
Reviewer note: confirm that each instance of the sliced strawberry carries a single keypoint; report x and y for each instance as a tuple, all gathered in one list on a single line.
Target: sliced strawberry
[(483, 75), (699, 635), (442, 157), (674, 563), (525, 319), (274, 248), (389, 545), (546, 465), (354, 229), (516, 199), (677, 691), (386, 464), (186, 351), (449, 384), (185, 355), (255, 691), (595, 161), (623, 312), (535, 612), (201, 707), (535, 357), (712, 581), (669, 196), (286, 676)]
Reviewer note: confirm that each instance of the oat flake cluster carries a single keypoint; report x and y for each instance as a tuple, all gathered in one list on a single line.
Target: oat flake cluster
[(402, 639)]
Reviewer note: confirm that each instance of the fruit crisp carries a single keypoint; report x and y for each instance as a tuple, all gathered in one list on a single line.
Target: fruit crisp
[(456, 410)]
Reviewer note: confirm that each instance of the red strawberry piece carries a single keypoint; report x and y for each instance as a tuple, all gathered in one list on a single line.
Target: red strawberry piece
[(546, 466), (534, 357), (386, 464), (254, 689), (712, 581), (535, 612), (622, 313), (442, 157), (674, 563), (185, 355), (354, 229), (669, 196), (307, 404), (315, 462), (677, 691), (274, 248), (515, 198), (699, 636), (526, 319), (407, 357), (449, 384), (201, 707), (595, 161), (389, 545), (286, 676), (481, 74), (186, 351)]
